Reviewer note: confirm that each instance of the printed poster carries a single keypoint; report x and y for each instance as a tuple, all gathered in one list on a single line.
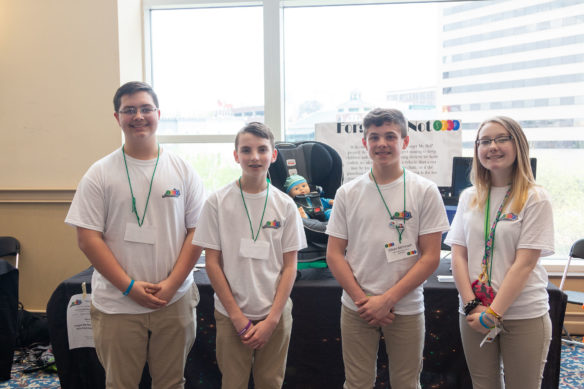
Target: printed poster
[(79, 329), (432, 145)]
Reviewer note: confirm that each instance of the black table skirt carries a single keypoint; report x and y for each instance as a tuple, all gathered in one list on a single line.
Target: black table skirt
[(8, 316), (314, 358)]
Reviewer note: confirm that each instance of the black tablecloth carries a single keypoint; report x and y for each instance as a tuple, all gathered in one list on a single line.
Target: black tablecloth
[(314, 358), (8, 316)]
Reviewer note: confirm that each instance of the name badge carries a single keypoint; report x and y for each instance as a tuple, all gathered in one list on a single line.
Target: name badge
[(137, 234), (256, 250), (395, 251)]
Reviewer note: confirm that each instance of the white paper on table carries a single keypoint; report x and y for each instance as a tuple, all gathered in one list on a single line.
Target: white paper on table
[(445, 278), (79, 329)]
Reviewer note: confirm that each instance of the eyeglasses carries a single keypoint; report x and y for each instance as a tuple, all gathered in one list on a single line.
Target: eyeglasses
[(131, 111), (500, 140)]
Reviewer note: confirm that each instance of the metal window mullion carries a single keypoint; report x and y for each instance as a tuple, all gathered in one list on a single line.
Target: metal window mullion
[(196, 138), (273, 68)]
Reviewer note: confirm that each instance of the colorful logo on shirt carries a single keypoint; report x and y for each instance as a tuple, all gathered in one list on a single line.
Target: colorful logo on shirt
[(75, 302), (508, 216), (390, 244), (413, 252), (171, 193), (404, 215), (272, 224)]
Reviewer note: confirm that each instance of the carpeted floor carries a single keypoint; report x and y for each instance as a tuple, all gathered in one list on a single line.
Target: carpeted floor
[(571, 374), (572, 367)]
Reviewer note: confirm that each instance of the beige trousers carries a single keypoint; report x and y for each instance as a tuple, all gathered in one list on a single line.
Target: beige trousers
[(404, 343), (518, 354), (236, 360), (163, 338)]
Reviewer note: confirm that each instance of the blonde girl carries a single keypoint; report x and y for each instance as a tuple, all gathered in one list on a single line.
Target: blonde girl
[(502, 227)]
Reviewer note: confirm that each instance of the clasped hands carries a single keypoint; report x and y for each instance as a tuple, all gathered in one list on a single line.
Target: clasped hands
[(254, 336), (375, 310), (153, 296)]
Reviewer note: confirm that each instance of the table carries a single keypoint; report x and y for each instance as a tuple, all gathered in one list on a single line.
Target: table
[(314, 358)]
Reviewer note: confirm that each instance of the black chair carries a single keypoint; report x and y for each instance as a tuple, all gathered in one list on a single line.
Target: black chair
[(322, 167), (9, 247), (574, 297)]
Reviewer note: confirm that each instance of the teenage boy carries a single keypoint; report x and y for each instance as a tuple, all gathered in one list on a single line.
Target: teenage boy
[(384, 242), (251, 234), (135, 211)]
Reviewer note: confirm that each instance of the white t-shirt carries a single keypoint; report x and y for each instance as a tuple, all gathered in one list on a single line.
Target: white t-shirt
[(103, 203), (533, 228), (359, 216), (222, 226)]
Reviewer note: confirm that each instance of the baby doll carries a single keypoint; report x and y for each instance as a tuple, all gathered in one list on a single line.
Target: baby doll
[(310, 204)]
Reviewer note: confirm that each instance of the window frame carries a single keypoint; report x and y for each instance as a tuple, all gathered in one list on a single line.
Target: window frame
[(274, 104), (274, 109), (273, 61)]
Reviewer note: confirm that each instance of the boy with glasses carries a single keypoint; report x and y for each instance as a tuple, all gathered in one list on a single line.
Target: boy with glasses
[(135, 211), (384, 242)]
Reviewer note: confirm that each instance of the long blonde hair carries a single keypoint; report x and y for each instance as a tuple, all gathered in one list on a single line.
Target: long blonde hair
[(522, 177)]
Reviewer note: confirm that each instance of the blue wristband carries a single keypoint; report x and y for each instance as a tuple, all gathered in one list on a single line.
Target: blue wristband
[(127, 292), (482, 322)]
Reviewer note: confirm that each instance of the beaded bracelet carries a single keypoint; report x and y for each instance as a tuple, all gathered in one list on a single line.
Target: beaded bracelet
[(472, 304), (244, 329)]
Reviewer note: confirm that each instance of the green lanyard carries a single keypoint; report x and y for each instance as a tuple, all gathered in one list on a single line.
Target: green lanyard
[(399, 229), (247, 212), (134, 210), (487, 263)]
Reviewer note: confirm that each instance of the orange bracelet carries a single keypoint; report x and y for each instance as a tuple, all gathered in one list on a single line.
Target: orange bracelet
[(492, 312)]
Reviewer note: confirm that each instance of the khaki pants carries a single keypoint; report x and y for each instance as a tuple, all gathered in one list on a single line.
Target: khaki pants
[(521, 350), (236, 360), (163, 338), (404, 342)]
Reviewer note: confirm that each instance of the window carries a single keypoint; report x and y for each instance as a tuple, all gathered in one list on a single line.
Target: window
[(218, 65), (209, 81), (346, 59)]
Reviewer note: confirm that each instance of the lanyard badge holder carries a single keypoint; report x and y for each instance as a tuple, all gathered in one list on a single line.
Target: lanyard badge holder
[(252, 248), (402, 250), (482, 286)]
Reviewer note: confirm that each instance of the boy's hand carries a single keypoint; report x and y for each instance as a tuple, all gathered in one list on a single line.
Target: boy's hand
[(258, 335), (143, 293), (240, 322), (375, 310), (166, 290)]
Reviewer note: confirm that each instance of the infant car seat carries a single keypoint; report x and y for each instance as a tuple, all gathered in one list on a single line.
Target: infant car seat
[(322, 167)]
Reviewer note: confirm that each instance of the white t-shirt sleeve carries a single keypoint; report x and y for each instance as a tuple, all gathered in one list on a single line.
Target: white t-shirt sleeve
[(456, 234), (207, 232), (433, 215), (88, 208), (537, 231), (337, 225), (293, 237), (195, 198)]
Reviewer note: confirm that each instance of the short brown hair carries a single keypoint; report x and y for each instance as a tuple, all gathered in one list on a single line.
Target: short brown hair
[(379, 116), (258, 129), (129, 88)]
